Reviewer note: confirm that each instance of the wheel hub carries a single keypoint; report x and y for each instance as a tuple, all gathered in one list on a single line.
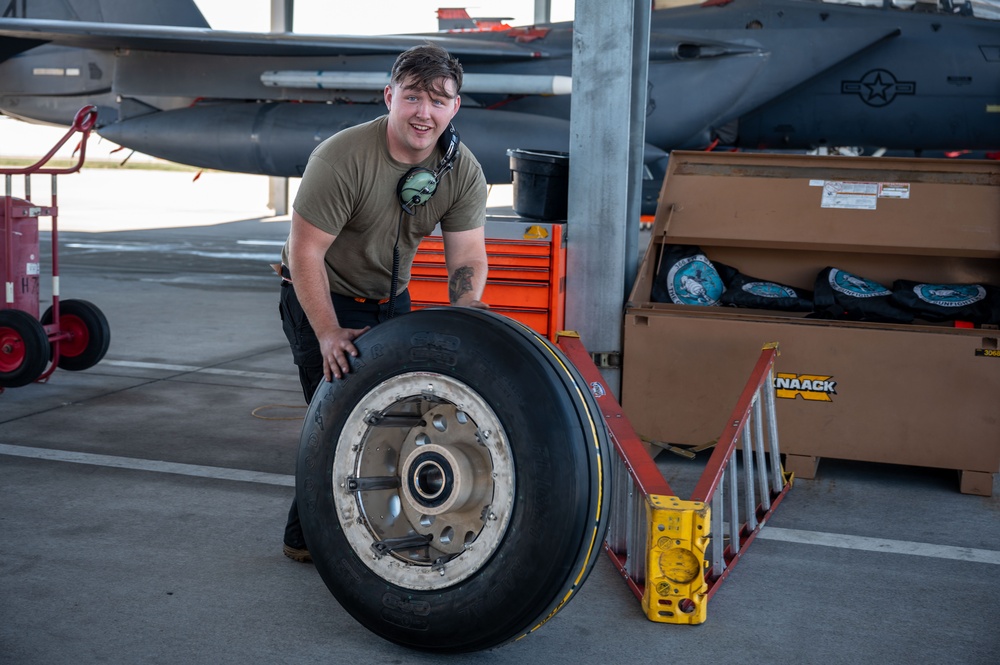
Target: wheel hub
[(431, 480), (424, 480), (11, 351)]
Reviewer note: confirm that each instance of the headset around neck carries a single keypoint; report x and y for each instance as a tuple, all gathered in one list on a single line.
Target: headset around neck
[(418, 185)]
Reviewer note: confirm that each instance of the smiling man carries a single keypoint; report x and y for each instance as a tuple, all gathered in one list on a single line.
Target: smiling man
[(368, 196)]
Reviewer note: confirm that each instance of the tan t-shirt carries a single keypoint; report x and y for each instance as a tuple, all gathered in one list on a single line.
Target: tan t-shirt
[(349, 190)]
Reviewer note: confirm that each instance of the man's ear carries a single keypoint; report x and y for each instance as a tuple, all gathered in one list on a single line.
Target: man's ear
[(387, 96)]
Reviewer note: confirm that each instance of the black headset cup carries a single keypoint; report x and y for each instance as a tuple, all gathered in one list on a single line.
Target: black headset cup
[(418, 185)]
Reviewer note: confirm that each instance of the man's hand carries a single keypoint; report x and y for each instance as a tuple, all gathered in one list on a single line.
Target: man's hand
[(335, 347), (471, 302)]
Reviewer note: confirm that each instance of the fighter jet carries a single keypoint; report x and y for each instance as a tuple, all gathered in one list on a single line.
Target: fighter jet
[(742, 74)]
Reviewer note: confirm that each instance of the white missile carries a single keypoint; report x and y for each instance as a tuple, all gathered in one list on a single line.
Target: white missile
[(507, 84)]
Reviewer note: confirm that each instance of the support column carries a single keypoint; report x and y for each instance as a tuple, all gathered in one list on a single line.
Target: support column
[(543, 11), (282, 20), (607, 127)]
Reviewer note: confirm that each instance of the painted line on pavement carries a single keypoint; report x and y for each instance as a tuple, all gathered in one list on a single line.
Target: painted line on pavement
[(215, 472), (841, 541), (879, 545), (200, 370)]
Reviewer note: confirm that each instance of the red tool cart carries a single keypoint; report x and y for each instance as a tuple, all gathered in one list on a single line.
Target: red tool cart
[(71, 334)]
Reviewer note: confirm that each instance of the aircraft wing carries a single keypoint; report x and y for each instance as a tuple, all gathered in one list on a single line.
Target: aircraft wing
[(18, 35)]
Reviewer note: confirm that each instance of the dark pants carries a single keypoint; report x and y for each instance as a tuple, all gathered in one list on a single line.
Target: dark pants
[(306, 354)]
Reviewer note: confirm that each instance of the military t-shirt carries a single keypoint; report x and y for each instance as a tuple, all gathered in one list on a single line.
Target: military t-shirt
[(349, 189)]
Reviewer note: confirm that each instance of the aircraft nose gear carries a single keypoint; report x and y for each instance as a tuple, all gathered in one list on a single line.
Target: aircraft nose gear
[(452, 487)]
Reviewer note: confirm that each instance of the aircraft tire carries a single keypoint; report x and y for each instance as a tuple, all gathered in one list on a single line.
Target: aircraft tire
[(453, 488), (24, 348), (90, 335)]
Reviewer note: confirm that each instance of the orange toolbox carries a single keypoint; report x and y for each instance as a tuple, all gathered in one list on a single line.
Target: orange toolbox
[(527, 278)]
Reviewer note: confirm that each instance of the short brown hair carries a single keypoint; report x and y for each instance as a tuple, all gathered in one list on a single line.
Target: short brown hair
[(424, 66)]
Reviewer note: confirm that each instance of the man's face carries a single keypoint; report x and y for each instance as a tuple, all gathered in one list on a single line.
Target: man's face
[(418, 117)]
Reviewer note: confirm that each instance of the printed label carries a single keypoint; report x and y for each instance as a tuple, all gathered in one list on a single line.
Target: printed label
[(851, 195), (894, 190), (812, 387)]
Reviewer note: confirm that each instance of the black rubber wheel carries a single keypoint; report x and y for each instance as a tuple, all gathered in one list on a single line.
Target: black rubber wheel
[(90, 335), (24, 348), (453, 488)]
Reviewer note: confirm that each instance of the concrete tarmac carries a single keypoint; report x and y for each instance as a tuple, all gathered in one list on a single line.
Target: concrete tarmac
[(142, 501)]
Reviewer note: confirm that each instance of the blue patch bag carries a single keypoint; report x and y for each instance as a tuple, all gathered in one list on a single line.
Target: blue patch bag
[(745, 291), (839, 294), (976, 303), (685, 276)]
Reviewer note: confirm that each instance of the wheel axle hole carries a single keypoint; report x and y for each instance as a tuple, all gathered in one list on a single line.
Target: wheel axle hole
[(447, 535), (422, 440), (426, 520), (429, 480)]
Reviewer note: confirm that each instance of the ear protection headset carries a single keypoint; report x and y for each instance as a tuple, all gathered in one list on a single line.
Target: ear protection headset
[(416, 188), (418, 185)]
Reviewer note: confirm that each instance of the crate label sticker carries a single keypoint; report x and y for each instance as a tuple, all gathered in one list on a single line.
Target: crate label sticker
[(850, 195), (894, 190), (988, 353), (32, 269), (812, 387)]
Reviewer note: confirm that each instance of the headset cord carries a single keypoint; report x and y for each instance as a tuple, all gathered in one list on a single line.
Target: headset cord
[(394, 282)]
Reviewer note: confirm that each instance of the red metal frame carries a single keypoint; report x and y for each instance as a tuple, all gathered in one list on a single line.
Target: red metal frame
[(724, 447), (642, 468), (83, 122), (628, 445)]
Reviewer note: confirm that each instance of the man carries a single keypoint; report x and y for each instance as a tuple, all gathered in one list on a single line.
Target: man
[(347, 260)]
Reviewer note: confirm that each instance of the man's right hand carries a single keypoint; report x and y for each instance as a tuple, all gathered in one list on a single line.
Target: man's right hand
[(335, 347)]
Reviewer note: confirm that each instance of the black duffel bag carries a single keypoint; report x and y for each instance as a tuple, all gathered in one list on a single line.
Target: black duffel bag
[(975, 303), (839, 294), (745, 291)]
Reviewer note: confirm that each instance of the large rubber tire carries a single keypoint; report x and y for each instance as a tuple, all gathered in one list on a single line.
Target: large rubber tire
[(24, 348), (90, 335), (453, 487)]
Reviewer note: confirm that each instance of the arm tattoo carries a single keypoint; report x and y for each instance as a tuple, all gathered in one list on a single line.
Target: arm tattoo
[(460, 283)]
